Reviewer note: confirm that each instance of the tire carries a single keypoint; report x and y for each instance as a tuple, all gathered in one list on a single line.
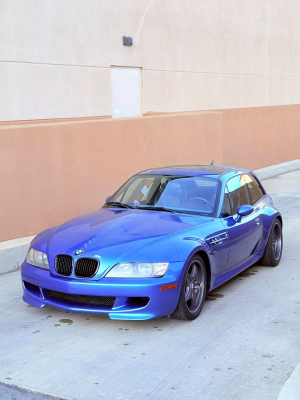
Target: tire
[(273, 250), (193, 291)]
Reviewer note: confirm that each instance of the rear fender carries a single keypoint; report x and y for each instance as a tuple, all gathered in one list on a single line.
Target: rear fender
[(267, 218)]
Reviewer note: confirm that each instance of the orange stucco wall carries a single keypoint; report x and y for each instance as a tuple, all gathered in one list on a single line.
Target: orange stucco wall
[(261, 136), (51, 172)]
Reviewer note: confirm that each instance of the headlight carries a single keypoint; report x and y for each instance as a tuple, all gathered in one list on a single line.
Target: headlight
[(38, 259), (138, 270)]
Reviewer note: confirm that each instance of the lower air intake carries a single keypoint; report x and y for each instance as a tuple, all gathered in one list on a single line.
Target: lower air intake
[(84, 299)]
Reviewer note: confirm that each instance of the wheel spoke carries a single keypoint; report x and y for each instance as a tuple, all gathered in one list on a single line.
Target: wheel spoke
[(193, 272), (193, 301), (188, 295), (189, 279)]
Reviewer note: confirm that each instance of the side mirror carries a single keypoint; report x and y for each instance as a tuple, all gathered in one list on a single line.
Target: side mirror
[(243, 211), (108, 198)]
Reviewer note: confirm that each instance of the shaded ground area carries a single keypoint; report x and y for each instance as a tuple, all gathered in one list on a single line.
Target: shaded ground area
[(8, 392), (244, 345)]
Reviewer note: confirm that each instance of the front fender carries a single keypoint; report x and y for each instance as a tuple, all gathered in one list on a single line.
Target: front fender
[(208, 260)]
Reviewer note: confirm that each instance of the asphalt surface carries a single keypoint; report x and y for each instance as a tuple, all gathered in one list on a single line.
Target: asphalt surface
[(244, 345)]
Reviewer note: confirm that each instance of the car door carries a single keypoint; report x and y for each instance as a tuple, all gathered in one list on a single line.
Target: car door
[(218, 243), (244, 233)]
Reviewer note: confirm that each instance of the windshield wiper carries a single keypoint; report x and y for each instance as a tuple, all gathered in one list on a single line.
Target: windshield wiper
[(124, 205), (160, 209), (119, 204)]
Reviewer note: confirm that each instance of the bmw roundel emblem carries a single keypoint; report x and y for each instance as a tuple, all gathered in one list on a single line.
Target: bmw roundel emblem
[(78, 252)]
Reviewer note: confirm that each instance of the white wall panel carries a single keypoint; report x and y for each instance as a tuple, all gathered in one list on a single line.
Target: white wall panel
[(6, 93), (239, 53), (39, 91), (173, 91)]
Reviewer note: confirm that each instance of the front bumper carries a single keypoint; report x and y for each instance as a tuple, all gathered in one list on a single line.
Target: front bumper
[(38, 284)]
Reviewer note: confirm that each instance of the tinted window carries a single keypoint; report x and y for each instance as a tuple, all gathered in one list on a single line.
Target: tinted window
[(238, 192), (254, 189)]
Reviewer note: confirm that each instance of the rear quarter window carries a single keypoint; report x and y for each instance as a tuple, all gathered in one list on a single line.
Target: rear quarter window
[(238, 192), (255, 190)]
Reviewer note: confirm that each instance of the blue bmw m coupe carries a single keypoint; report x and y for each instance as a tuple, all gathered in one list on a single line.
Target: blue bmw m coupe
[(166, 238)]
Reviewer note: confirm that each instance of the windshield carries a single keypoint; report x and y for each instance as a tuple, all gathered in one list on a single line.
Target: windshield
[(191, 194)]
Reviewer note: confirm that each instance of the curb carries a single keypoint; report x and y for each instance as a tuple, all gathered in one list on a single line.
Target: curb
[(291, 388), (13, 253), (28, 394), (278, 169)]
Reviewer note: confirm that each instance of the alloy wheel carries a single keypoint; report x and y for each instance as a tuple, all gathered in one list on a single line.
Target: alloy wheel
[(194, 286), (276, 241)]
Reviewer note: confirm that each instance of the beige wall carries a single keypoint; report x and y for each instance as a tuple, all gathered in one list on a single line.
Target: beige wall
[(50, 172), (55, 56)]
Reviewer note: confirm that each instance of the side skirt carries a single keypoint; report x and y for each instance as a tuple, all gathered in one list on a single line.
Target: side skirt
[(230, 273)]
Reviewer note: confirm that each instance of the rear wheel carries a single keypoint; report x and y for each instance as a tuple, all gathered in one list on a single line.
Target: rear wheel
[(273, 249), (193, 290)]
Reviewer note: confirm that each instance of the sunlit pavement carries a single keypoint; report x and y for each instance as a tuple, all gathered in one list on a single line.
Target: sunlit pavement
[(244, 345)]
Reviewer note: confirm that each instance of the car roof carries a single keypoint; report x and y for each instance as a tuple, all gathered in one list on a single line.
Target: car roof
[(211, 170)]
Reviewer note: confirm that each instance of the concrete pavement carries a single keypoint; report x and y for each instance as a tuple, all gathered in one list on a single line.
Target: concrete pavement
[(244, 345)]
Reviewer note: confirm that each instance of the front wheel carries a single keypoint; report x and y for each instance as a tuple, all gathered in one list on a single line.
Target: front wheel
[(273, 251), (193, 290)]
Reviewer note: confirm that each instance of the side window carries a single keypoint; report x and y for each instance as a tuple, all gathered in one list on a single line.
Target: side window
[(238, 192), (255, 190), (226, 208)]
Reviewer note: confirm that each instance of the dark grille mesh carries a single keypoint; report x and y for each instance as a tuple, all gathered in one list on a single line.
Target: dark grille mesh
[(83, 299), (86, 267), (64, 264)]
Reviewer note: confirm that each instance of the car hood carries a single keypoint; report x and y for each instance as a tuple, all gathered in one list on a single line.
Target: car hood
[(116, 235)]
